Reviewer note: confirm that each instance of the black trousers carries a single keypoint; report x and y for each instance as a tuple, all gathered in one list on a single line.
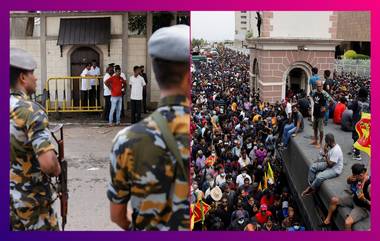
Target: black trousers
[(94, 95), (144, 101), (107, 107), (84, 96), (355, 137), (122, 106), (135, 111)]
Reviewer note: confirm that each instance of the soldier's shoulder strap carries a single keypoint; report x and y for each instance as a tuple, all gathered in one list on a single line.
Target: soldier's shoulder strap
[(169, 139)]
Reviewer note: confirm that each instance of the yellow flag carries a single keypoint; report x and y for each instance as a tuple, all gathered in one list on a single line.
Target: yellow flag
[(270, 172), (260, 187), (192, 217), (265, 181)]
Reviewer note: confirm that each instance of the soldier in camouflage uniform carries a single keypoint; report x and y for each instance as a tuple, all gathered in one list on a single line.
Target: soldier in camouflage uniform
[(144, 169), (32, 155)]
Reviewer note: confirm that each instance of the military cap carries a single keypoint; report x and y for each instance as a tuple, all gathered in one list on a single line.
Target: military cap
[(171, 43), (19, 58)]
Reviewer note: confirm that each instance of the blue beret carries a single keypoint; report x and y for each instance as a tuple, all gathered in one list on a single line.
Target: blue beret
[(21, 59), (171, 43)]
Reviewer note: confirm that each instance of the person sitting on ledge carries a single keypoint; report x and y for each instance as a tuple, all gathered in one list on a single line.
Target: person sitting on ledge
[(330, 165), (359, 201)]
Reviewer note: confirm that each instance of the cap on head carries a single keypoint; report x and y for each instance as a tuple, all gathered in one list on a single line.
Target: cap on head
[(264, 207), (21, 59), (171, 43)]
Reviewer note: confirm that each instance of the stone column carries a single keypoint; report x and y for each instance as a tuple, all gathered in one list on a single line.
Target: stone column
[(43, 51), (149, 71), (124, 55)]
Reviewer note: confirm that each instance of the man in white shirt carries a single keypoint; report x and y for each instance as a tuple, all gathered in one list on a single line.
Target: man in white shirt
[(244, 159), (240, 178), (221, 178), (94, 84), (136, 83), (107, 92), (85, 85), (330, 165)]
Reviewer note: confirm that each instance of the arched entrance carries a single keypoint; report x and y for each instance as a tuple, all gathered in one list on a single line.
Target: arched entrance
[(296, 78), (78, 59)]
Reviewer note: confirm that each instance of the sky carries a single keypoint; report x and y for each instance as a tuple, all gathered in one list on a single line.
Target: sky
[(213, 26)]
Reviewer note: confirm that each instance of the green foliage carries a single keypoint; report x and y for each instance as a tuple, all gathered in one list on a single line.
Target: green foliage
[(349, 54), (249, 34), (198, 42), (361, 56), (137, 23)]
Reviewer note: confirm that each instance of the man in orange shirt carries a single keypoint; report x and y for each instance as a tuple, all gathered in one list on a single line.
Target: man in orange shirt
[(116, 83), (339, 109)]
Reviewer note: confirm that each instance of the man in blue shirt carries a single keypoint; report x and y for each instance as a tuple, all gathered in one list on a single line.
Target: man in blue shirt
[(314, 78)]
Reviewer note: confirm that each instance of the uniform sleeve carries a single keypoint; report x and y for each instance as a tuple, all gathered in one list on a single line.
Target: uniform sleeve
[(120, 184), (38, 132)]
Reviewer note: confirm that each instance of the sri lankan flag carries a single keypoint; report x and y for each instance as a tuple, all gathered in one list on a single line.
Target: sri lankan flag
[(199, 211), (210, 161), (363, 128)]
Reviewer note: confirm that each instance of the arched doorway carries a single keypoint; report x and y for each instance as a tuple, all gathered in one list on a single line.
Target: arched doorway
[(296, 79), (79, 57)]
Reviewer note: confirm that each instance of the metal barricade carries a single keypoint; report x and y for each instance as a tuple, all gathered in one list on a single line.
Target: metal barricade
[(73, 98)]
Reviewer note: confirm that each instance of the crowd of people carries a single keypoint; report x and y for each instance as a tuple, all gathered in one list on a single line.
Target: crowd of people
[(234, 168), (238, 181)]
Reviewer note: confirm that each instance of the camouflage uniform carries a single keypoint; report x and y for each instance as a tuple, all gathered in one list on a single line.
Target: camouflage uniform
[(142, 169), (30, 192)]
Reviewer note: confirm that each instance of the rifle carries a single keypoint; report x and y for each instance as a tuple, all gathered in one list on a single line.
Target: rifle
[(61, 180)]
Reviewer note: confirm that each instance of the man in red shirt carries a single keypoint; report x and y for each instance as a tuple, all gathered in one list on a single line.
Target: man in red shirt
[(263, 215), (115, 83), (339, 109)]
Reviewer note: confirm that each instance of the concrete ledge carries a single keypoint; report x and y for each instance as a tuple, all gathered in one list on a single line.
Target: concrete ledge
[(299, 156)]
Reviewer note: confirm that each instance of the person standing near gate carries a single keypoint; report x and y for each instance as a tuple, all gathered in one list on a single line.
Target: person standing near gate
[(143, 74), (150, 159), (116, 83), (94, 84), (85, 85), (136, 83), (107, 92), (33, 159)]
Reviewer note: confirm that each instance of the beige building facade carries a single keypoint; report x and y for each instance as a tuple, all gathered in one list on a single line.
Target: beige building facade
[(127, 44)]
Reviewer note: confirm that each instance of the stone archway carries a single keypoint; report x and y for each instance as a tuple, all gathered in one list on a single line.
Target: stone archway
[(298, 73), (78, 56)]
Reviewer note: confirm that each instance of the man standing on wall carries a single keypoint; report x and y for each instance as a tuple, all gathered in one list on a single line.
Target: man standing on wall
[(320, 99), (136, 83)]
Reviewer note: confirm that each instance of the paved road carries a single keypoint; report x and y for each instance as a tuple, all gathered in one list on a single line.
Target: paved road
[(87, 150)]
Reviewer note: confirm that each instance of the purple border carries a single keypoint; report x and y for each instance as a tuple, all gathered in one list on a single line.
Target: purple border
[(156, 5)]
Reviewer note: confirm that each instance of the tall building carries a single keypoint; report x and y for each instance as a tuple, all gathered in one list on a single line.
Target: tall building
[(245, 26)]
